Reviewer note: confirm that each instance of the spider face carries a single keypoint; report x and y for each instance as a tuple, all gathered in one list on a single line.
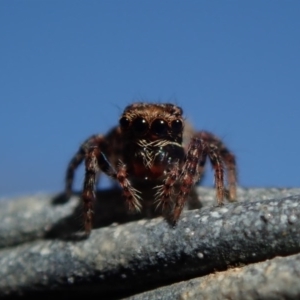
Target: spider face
[(152, 122), (152, 138), (147, 146)]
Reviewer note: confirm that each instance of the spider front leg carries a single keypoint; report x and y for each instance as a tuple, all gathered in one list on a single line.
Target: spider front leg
[(191, 172), (94, 162), (130, 194), (164, 191)]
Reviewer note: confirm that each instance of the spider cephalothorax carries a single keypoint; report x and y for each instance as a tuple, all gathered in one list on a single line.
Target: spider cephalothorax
[(147, 145), (152, 139)]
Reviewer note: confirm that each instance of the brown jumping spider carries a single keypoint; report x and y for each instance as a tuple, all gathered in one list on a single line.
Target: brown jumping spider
[(147, 145)]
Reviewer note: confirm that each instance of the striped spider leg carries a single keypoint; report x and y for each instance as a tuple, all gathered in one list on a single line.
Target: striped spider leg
[(95, 160), (203, 145)]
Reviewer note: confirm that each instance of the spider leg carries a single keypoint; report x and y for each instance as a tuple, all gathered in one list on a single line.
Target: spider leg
[(217, 165), (88, 194), (227, 158), (164, 191), (191, 171), (131, 195), (77, 160), (94, 162)]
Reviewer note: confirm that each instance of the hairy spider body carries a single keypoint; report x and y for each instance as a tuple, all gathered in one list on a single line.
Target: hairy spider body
[(147, 146)]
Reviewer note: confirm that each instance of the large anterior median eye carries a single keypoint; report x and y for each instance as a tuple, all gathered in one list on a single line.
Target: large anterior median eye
[(176, 126), (140, 126), (159, 127)]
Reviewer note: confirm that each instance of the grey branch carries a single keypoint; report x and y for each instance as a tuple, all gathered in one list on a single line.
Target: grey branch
[(43, 253)]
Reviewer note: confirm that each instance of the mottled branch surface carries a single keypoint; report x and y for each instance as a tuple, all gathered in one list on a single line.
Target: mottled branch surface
[(250, 248)]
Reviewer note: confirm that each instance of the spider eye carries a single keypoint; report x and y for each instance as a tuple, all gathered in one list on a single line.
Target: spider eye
[(124, 122), (159, 127), (140, 126), (176, 126)]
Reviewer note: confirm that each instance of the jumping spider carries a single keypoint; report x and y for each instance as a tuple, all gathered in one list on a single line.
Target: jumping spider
[(148, 145)]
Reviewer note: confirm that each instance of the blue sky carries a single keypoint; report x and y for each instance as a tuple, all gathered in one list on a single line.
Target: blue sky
[(68, 68)]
